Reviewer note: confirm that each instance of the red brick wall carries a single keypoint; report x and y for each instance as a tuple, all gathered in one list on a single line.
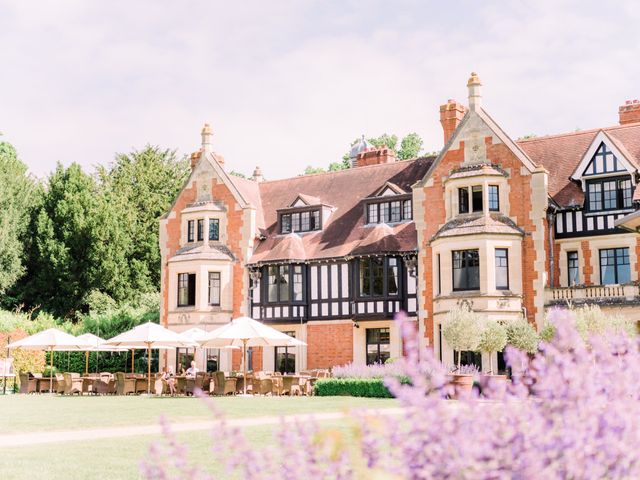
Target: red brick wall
[(556, 264), (586, 254), (329, 345), (188, 195)]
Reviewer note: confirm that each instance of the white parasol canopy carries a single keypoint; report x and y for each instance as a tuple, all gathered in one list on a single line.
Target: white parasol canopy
[(52, 340), (248, 332), (150, 335)]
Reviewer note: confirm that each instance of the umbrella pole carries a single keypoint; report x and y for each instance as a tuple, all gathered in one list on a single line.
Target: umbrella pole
[(133, 360), (244, 363), (149, 368), (51, 372), (86, 362)]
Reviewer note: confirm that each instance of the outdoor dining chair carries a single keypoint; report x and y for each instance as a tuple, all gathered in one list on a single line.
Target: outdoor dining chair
[(125, 385), (72, 384), (28, 383)]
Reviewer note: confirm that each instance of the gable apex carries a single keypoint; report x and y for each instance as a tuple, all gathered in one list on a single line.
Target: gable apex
[(619, 162)]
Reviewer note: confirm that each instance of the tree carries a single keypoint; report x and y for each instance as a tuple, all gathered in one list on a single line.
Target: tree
[(17, 196), (494, 339), (522, 335), (79, 246), (311, 170), (462, 330), (410, 146), (141, 186)]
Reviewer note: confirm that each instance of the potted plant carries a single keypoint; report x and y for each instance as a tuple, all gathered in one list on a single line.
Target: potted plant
[(494, 339), (462, 330)]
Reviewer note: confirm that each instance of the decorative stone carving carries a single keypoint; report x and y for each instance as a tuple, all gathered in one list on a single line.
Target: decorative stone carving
[(204, 187)]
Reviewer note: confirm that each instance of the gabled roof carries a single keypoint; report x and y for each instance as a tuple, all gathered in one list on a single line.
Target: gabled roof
[(495, 129), (561, 154), (344, 230), (615, 146)]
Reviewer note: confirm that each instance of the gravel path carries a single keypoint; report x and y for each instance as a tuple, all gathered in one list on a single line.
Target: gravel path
[(39, 438)]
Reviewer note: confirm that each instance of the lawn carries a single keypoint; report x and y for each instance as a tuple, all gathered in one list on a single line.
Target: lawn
[(120, 457), (25, 413)]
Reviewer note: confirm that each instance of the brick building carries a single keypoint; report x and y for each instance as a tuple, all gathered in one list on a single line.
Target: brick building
[(509, 227)]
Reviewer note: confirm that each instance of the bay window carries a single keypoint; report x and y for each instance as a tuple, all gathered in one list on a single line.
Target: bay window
[(285, 283), (190, 230), (466, 270), (200, 229), (214, 288), (378, 277), (186, 289)]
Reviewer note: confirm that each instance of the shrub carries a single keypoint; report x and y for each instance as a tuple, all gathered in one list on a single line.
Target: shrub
[(462, 329), (354, 387)]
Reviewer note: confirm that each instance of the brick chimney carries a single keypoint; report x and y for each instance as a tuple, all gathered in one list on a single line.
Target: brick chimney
[(629, 112), (376, 157), (451, 114)]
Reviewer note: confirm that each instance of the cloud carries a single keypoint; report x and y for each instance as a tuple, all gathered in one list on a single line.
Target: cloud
[(289, 84)]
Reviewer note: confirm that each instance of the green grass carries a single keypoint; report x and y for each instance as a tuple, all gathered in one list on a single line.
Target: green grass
[(120, 457), (25, 413)]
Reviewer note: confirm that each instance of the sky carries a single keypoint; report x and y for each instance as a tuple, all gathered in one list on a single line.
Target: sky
[(286, 84)]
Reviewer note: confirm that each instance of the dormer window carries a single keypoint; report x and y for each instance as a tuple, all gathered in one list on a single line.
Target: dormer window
[(394, 211), (308, 221)]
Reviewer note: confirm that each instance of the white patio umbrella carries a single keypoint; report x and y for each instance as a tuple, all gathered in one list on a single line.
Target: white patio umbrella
[(52, 340), (196, 334), (97, 345), (150, 335), (248, 332)]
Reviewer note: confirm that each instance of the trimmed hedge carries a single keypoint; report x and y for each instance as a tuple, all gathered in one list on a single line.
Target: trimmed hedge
[(354, 387)]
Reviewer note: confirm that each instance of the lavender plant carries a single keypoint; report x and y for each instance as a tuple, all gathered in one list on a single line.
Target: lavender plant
[(572, 412)]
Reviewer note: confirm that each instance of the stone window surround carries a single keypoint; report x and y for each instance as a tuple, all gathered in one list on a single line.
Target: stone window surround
[(451, 194)]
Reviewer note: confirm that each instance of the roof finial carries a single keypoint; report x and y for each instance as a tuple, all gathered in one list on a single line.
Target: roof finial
[(475, 97), (207, 136)]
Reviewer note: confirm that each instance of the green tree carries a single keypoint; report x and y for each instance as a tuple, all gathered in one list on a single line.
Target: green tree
[(390, 141), (311, 170), (140, 187), (410, 146), (79, 246), (17, 196)]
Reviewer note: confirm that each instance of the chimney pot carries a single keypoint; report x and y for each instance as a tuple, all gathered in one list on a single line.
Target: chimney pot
[(451, 114), (475, 97), (629, 112), (207, 136)]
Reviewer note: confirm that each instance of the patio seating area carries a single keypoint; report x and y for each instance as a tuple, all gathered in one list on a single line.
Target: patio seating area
[(214, 383)]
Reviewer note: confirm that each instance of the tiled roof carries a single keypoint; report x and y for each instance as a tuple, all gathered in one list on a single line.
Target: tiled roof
[(478, 223), (344, 232), (561, 154), (201, 250)]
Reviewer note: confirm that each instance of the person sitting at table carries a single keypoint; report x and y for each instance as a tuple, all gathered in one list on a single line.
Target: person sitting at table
[(167, 376), (192, 370)]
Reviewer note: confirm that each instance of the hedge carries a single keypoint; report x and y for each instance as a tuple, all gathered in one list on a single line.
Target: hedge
[(354, 387)]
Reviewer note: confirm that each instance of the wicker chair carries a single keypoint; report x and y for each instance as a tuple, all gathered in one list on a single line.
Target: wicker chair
[(125, 385), (72, 384), (222, 385), (287, 382), (28, 383), (262, 386)]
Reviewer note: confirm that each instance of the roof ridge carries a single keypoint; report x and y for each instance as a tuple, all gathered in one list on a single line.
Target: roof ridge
[(345, 170), (579, 132)]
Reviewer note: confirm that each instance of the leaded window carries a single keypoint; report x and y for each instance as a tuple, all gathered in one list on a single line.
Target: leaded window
[(463, 200), (407, 210), (300, 221), (372, 210), (285, 283), (609, 194), (494, 198), (476, 198), (214, 229), (186, 289), (200, 229), (394, 211), (190, 230), (466, 270), (378, 277), (214, 288), (502, 269), (614, 266), (285, 357), (378, 345), (573, 268)]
